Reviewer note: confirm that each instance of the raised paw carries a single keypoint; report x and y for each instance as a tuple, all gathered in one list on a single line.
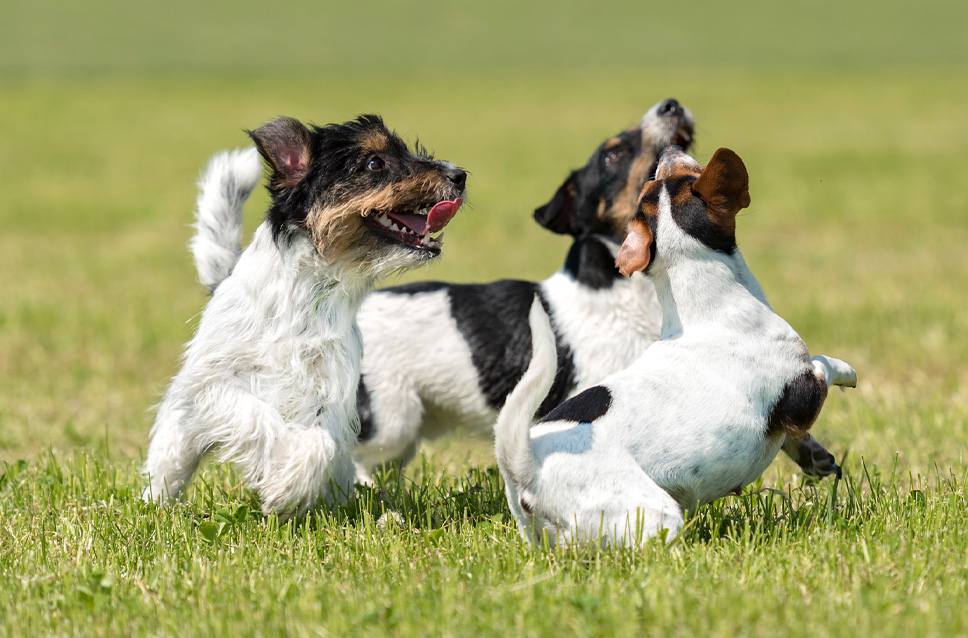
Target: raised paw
[(835, 371), (811, 456)]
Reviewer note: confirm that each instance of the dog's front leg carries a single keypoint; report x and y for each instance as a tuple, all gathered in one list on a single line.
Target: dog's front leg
[(835, 371), (290, 465), (812, 457), (807, 452)]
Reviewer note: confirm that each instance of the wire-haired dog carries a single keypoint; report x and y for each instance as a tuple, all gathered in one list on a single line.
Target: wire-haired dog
[(700, 414), (269, 380)]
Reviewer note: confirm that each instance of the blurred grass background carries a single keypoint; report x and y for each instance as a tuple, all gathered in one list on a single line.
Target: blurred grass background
[(851, 118)]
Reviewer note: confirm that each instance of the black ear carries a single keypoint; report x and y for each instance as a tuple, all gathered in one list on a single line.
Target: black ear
[(285, 144), (557, 215)]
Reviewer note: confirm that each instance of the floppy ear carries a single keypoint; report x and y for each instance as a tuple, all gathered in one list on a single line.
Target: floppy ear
[(284, 143), (557, 214), (724, 186), (635, 253)]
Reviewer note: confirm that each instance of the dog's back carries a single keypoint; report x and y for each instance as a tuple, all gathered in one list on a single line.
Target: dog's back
[(701, 413)]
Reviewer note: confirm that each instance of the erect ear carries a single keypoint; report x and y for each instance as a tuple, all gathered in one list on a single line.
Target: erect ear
[(635, 253), (284, 143), (724, 186), (557, 214)]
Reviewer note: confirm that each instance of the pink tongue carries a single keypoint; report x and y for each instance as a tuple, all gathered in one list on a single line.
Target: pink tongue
[(437, 218), (440, 214)]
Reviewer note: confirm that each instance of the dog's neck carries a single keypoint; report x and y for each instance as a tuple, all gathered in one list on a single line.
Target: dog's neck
[(293, 281), (714, 288), (591, 262)]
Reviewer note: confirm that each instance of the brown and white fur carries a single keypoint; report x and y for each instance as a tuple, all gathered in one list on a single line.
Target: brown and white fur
[(269, 380), (699, 415)]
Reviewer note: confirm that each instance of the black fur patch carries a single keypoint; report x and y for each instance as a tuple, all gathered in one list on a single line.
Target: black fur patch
[(798, 405), (365, 411), (591, 264), (582, 408), (574, 209), (493, 319), (692, 218), (417, 287)]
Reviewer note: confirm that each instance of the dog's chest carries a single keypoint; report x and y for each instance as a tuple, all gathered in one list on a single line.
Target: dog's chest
[(606, 330), (294, 348)]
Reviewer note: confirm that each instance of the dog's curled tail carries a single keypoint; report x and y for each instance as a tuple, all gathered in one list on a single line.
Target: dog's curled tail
[(223, 188), (512, 440)]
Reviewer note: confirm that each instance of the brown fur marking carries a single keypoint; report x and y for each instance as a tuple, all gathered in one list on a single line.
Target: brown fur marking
[(624, 204), (338, 237), (374, 142), (724, 187)]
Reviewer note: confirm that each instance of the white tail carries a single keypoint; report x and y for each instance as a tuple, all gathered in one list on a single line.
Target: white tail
[(223, 188), (512, 441)]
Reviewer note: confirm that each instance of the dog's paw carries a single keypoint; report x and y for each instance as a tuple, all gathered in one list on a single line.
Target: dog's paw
[(815, 460), (835, 371)]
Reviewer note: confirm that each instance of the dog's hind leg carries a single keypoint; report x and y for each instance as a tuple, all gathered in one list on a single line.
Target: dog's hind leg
[(391, 421), (648, 511)]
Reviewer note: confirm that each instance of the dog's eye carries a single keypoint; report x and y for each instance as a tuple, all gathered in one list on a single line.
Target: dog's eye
[(613, 156), (375, 163)]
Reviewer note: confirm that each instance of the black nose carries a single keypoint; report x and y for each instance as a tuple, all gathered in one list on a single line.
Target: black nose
[(457, 176), (670, 107)]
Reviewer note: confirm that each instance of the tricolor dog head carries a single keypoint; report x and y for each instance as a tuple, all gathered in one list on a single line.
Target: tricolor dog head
[(599, 198), (358, 191), (701, 203)]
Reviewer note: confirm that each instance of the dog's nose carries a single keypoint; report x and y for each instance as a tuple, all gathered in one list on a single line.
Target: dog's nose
[(670, 107), (458, 176)]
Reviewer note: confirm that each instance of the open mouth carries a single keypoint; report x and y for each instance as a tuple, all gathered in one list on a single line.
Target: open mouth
[(683, 136), (414, 228)]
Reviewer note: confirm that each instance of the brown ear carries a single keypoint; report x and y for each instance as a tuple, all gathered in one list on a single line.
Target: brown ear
[(284, 143), (635, 253), (724, 186)]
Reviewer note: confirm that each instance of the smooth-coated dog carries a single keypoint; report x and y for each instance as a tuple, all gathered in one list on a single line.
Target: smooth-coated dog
[(269, 380), (699, 415), (412, 388)]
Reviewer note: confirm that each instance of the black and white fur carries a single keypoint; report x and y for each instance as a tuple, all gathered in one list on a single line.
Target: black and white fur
[(269, 380), (699, 415), (413, 388)]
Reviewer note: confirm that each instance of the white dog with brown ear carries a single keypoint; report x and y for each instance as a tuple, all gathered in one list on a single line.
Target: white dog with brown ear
[(700, 414)]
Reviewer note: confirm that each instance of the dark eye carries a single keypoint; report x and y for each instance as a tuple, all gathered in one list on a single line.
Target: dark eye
[(613, 156), (375, 163)]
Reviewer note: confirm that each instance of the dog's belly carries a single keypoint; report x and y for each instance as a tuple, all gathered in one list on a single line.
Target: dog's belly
[(418, 372), (699, 436), (696, 479)]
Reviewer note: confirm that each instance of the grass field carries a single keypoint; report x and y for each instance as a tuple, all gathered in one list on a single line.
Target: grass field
[(853, 121)]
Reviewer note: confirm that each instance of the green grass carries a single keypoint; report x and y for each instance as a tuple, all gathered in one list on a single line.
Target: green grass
[(851, 119)]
